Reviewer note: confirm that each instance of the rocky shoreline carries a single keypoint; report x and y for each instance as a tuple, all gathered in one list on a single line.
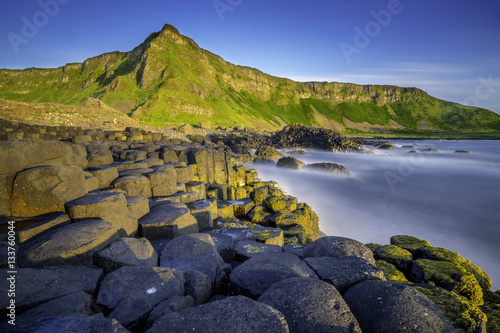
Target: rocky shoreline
[(169, 232)]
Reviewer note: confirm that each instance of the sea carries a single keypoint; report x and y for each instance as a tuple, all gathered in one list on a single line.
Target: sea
[(450, 199)]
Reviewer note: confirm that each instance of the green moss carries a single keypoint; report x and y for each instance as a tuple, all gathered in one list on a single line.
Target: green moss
[(492, 311), (271, 237), (258, 214), (437, 253), (372, 247), (409, 243), (295, 234), (452, 277), (394, 253), (278, 204), (391, 272), (464, 315)]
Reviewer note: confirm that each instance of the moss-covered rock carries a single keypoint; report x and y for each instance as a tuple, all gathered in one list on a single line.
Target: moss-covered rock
[(295, 234), (372, 247), (464, 315), (278, 204), (437, 253), (409, 243), (258, 215), (270, 236), (395, 255), (491, 297), (449, 276), (307, 218), (391, 272), (268, 153), (492, 311)]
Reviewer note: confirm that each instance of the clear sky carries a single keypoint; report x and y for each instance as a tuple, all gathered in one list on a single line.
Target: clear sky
[(449, 48)]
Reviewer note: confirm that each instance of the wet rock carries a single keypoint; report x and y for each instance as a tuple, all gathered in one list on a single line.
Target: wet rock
[(256, 275), (46, 189), (332, 246), (192, 252), (267, 153), (345, 271), (329, 167), (310, 305), (381, 306), (167, 220), (430, 150), (126, 252), (462, 152), (386, 146), (131, 292), (110, 206), (290, 163), (233, 314), (73, 244)]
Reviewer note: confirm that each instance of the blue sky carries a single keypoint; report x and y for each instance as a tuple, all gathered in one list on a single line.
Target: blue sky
[(451, 49)]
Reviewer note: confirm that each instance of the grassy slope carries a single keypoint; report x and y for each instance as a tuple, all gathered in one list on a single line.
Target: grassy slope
[(170, 79)]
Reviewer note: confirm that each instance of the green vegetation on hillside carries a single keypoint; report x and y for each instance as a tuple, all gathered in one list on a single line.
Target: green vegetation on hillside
[(168, 78)]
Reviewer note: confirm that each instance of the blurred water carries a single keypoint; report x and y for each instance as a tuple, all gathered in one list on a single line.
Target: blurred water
[(452, 200)]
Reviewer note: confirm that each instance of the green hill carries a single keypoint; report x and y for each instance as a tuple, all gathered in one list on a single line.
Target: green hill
[(169, 78)]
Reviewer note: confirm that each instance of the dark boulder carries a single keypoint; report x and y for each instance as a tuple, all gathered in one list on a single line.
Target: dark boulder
[(192, 252), (73, 244), (256, 275), (310, 305), (345, 271), (381, 306), (332, 246), (131, 292), (290, 163), (233, 314), (328, 167)]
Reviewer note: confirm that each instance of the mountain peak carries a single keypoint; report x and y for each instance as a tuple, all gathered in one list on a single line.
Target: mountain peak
[(167, 28)]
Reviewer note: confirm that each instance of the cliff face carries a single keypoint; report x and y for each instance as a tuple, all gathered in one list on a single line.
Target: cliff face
[(170, 78)]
